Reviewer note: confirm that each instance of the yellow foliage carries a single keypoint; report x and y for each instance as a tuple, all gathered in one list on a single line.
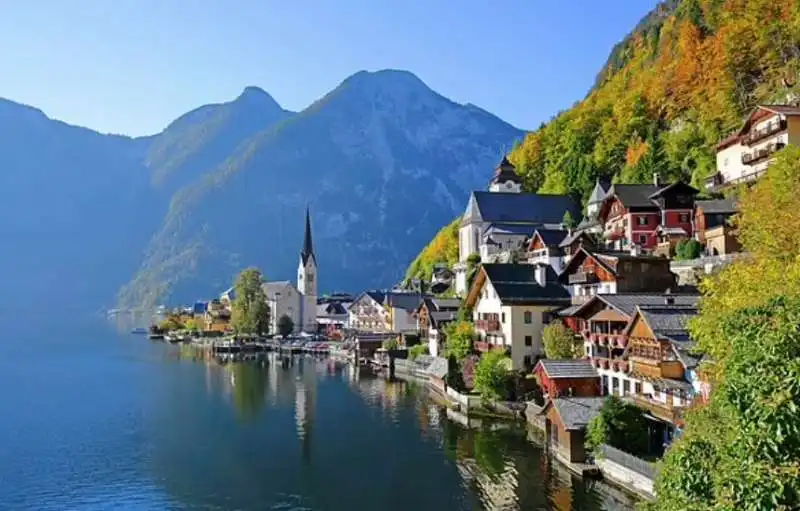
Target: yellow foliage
[(443, 248)]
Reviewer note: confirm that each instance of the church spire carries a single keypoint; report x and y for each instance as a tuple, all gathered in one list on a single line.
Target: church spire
[(308, 246)]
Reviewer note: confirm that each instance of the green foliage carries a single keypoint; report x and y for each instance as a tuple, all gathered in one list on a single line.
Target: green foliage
[(192, 324), (417, 350), (473, 265), (285, 325), (567, 220), (621, 425), (688, 249), (170, 323), (443, 248), (459, 335), (390, 344), (560, 342), (491, 376), (249, 311)]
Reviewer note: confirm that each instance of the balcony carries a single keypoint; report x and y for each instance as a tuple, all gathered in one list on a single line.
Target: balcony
[(583, 277), (616, 340), (488, 325), (664, 411), (484, 346), (621, 366), (761, 154), (757, 135)]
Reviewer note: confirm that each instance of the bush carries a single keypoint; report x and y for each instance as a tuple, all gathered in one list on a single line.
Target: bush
[(491, 376), (459, 336), (559, 342), (621, 425), (688, 249), (417, 350), (390, 344)]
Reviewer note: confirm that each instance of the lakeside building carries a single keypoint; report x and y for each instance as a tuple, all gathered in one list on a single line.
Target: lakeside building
[(433, 315), (746, 155)]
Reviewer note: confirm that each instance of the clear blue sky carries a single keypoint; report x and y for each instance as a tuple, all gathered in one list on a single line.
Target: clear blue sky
[(131, 66)]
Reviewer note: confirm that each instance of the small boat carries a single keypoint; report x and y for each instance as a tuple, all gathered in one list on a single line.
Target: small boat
[(139, 330), (156, 337)]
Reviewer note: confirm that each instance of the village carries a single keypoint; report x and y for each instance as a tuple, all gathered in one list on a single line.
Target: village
[(566, 324)]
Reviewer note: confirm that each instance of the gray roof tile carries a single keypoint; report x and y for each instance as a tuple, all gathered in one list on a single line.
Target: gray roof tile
[(516, 283), (576, 412), (529, 208), (717, 206), (581, 368)]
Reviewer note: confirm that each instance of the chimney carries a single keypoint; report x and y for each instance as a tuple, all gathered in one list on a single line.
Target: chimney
[(636, 250), (655, 179), (540, 274)]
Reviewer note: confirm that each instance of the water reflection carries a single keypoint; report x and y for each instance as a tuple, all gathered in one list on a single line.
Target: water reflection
[(333, 436)]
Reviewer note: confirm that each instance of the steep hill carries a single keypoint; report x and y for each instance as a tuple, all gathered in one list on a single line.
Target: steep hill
[(670, 90)]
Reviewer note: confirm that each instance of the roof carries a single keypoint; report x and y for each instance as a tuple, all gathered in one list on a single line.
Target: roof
[(576, 412), (331, 309), (441, 304), (598, 192), (199, 307), (569, 311), (634, 196), (670, 322), (271, 288), (677, 185), (308, 246), (516, 284), (626, 303), (529, 208), (717, 206), (610, 261), (782, 109), (580, 368), (728, 141), (505, 171), (509, 229), (438, 367), (571, 238), (551, 237), (439, 317), (405, 301), (378, 296), (672, 231), (230, 293)]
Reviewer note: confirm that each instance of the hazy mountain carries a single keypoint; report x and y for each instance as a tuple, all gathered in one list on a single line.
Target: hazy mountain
[(382, 160)]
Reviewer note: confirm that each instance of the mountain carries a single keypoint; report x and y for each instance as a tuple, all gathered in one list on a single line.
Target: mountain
[(670, 90), (382, 160)]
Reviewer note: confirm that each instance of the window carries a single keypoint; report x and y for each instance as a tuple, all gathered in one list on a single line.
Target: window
[(642, 220), (526, 360), (528, 317), (683, 218), (503, 318), (615, 385), (605, 385), (626, 387), (643, 239), (637, 387), (528, 340)]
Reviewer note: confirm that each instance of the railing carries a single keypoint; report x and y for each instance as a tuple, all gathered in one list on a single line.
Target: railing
[(484, 346), (628, 461), (761, 154), (603, 339), (669, 413), (582, 277), (488, 325), (613, 364), (771, 129)]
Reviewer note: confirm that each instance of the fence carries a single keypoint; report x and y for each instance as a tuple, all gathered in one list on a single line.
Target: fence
[(628, 461)]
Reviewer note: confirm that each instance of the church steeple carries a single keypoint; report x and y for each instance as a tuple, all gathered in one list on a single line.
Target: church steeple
[(308, 246)]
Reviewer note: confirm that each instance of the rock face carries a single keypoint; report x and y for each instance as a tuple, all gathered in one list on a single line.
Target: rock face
[(381, 161)]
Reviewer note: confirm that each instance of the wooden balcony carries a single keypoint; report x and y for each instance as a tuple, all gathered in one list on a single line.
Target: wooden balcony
[(762, 154), (664, 411), (484, 346), (488, 325), (771, 129), (583, 277), (602, 339), (617, 365)]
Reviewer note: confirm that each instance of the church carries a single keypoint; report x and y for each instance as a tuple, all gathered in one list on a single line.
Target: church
[(298, 302)]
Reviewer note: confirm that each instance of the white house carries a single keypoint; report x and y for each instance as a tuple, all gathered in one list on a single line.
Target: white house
[(511, 304), (368, 314)]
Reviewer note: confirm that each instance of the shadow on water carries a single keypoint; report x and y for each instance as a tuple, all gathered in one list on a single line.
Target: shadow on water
[(308, 433)]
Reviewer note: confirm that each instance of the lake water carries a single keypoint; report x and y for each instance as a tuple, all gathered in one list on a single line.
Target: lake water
[(95, 420)]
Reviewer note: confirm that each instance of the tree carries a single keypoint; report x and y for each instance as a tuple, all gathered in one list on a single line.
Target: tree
[(688, 249), (249, 311), (567, 220), (621, 425), (459, 335), (491, 375), (473, 264), (559, 341), (171, 322), (417, 350), (390, 344), (285, 325), (192, 324)]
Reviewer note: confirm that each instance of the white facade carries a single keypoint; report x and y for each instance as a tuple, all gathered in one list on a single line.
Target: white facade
[(589, 290), (368, 315), (307, 284), (283, 299)]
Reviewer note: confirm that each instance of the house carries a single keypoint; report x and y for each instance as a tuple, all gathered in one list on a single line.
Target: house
[(573, 242), (283, 299), (661, 354), (745, 155), (545, 247), (667, 239), (227, 297), (591, 223), (369, 313), (402, 307), (217, 317), (590, 273), (514, 214), (631, 213), (713, 228), (602, 322), (332, 315), (566, 419), (568, 378), (432, 316), (511, 304)]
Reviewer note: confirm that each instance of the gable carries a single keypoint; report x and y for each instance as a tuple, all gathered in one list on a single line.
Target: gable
[(472, 214), (639, 328), (610, 208), (476, 288)]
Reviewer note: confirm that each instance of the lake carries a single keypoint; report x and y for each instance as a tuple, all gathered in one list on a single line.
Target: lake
[(94, 420)]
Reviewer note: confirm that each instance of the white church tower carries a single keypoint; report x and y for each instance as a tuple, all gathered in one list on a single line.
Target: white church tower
[(307, 282)]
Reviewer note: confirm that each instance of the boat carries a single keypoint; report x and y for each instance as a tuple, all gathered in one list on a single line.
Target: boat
[(156, 337), (139, 330)]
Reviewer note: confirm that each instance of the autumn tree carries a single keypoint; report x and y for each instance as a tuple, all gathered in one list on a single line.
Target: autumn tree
[(559, 341), (249, 310)]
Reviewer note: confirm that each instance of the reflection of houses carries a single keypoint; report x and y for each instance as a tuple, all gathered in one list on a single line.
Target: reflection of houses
[(283, 298), (566, 419), (745, 155), (568, 378), (631, 213), (432, 315), (713, 229), (511, 303), (591, 273), (513, 215)]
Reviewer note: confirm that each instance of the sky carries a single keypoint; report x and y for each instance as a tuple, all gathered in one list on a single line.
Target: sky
[(132, 66)]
